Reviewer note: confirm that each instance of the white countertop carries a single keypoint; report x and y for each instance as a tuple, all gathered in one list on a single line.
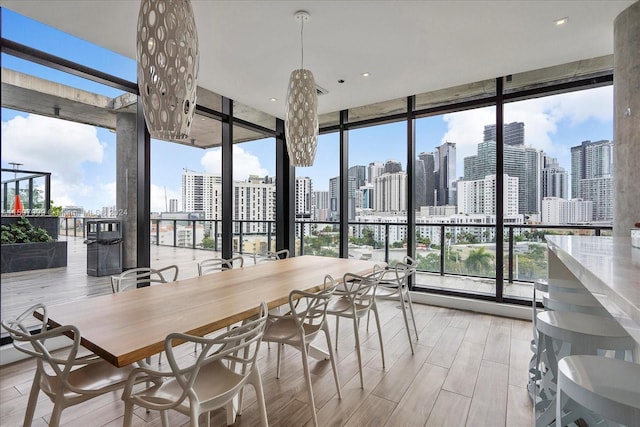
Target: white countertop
[(608, 267)]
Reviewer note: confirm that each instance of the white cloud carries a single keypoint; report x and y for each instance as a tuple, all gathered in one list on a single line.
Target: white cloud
[(160, 197), (56, 146), (541, 116), (245, 163)]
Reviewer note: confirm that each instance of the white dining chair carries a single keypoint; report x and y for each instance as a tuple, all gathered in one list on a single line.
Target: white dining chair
[(354, 300), (211, 265), (271, 256), (217, 375), (298, 328), (65, 377), (143, 276), (394, 285)]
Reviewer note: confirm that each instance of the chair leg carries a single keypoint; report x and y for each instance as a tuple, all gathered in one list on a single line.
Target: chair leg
[(164, 418), (406, 322), (55, 414), (356, 333), (337, 330), (375, 312), (33, 400), (413, 318), (128, 414), (278, 361), (256, 381), (307, 377), (332, 355)]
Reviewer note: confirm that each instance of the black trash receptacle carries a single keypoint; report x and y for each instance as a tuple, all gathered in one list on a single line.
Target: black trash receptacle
[(104, 247)]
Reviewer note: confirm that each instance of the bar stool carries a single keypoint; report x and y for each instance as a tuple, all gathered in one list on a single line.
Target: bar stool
[(567, 296), (580, 303), (608, 387), (568, 333)]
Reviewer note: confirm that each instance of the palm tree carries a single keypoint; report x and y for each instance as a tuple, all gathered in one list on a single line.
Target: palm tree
[(479, 260)]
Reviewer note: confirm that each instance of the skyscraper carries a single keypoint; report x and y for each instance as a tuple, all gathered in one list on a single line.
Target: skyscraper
[(445, 174), (304, 187), (202, 192), (512, 133), (592, 176), (479, 196), (392, 166), (390, 192), (425, 180), (519, 161), (555, 180), (375, 169)]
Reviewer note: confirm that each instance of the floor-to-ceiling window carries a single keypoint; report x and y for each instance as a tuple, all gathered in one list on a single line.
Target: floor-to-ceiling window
[(559, 148), (317, 200), (377, 192)]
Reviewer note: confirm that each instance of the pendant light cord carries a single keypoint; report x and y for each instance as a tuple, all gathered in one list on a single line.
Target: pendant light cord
[(302, 43)]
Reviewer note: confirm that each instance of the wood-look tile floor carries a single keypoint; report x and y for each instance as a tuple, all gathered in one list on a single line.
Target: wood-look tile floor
[(468, 369)]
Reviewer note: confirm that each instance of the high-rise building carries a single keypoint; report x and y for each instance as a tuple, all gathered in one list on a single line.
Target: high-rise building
[(555, 180), (390, 192), (359, 172), (304, 187), (521, 162), (320, 205), (254, 200), (425, 180), (592, 176), (512, 133), (479, 196), (392, 166), (202, 192), (561, 211), (173, 205), (375, 169), (445, 174), (334, 198)]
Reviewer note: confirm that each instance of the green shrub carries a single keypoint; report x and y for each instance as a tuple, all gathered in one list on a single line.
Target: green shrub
[(23, 232)]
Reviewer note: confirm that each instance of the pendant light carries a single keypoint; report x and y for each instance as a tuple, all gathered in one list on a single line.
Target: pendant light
[(301, 110), (168, 60)]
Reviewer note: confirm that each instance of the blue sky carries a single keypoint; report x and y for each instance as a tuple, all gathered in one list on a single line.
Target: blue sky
[(82, 158)]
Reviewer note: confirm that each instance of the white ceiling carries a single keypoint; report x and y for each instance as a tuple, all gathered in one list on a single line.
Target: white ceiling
[(248, 48)]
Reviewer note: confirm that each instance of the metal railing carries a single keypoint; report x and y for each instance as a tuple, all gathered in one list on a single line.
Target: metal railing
[(442, 248)]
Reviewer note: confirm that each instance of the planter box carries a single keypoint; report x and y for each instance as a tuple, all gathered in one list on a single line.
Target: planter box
[(49, 223), (33, 256)]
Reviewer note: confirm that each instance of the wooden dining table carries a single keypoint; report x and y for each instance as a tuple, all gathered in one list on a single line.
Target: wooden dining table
[(126, 327)]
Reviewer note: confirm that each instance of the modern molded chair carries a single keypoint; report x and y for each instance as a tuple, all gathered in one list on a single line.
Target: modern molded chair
[(394, 285), (134, 277), (66, 378), (271, 256), (218, 264), (299, 327), (354, 301), (143, 276), (218, 374)]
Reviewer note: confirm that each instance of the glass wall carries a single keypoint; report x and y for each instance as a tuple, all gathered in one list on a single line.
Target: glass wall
[(560, 150), (455, 207), (317, 216), (377, 192)]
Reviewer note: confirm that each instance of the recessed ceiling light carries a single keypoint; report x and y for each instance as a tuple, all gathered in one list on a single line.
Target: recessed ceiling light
[(365, 74), (273, 99), (561, 21)]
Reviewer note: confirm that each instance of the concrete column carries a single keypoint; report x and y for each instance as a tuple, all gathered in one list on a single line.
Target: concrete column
[(126, 185), (626, 109)]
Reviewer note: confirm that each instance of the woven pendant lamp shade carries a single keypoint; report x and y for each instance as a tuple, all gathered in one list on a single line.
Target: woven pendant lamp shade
[(301, 118), (167, 53)]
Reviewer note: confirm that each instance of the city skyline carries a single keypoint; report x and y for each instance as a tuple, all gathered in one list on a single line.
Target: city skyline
[(82, 158)]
